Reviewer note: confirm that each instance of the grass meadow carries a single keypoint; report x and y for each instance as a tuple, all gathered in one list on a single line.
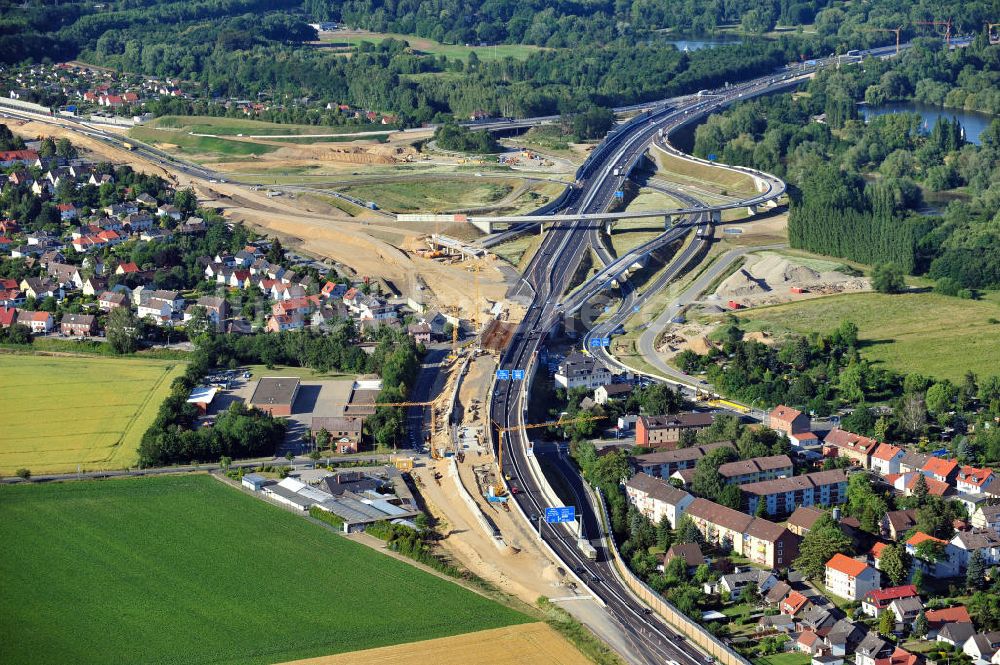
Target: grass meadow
[(70, 411), (931, 334), (183, 569), (429, 46)]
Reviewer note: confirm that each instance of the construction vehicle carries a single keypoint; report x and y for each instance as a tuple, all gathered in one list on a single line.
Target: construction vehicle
[(500, 489), (127, 145)]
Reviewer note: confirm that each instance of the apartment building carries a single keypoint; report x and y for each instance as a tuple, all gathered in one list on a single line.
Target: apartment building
[(783, 495)]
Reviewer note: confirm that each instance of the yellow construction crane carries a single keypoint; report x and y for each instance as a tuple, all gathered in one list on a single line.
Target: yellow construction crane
[(499, 487), (896, 30)]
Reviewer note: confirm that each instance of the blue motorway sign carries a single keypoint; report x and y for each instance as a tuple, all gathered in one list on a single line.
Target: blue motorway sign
[(619, 194), (518, 374), (605, 341), (557, 515), (712, 157), (635, 308), (595, 341), (503, 375)]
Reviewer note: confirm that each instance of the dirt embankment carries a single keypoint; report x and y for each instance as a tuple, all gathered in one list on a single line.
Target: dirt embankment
[(770, 279)]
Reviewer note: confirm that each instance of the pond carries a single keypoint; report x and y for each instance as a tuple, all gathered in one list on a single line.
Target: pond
[(696, 43), (973, 123)]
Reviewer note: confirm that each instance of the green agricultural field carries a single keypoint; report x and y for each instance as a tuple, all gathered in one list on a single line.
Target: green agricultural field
[(199, 145), (66, 412), (438, 195), (914, 332), (183, 569), (203, 124), (425, 45)]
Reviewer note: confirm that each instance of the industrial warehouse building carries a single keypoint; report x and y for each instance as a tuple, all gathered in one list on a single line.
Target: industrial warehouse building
[(275, 395)]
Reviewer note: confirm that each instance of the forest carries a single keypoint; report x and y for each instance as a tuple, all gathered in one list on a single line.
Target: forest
[(605, 53), (858, 189)]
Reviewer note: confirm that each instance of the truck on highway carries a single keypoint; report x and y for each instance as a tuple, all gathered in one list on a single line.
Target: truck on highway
[(588, 550), (127, 145)]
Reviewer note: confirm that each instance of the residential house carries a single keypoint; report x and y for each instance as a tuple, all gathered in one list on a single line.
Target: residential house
[(665, 431), (843, 638), (802, 520), (897, 523), (216, 310), (938, 619), (345, 433), (92, 286), (854, 447), (850, 578), (580, 371), (788, 420), (656, 498), (793, 603), (981, 647), (763, 542), (941, 469), (284, 322), (782, 495), (8, 316), (947, 567), (11, 297), (875, 555), (129, 268), (689, 552), (67, 276), (912, 461), (67, 212), (971, 480), (877, 601), (159, 306), (420, 332), (110, 300), (906, 483), (906, 611), (734, 583), (886, 458), (809, 642), (78, 325), (611, 391), (170, 211), (10, 158), (986, 516), (40, 288), (756, 469), (871, 649), (662, 464), (899, 656), (964, 543), (40, 323), (956, 634), (778, 593)]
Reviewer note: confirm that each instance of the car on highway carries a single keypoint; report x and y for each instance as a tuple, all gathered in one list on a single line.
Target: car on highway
[(514, 489)]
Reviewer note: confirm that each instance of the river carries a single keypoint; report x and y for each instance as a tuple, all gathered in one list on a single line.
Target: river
[(973, 123)]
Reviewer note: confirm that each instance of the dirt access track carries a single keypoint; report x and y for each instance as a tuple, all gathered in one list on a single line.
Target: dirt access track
[(375, 247), (527, 644)]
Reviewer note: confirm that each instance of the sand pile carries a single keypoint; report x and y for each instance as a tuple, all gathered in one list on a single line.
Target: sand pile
[(742, 283), (771, 278)]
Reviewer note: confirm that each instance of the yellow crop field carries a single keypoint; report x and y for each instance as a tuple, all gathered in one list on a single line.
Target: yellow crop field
[(70, 412)]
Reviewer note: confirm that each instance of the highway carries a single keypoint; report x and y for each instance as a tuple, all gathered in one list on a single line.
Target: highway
[(547, 277)]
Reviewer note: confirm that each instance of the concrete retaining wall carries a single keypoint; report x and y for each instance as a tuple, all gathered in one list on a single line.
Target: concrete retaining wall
[(474, 507), (679, 621)]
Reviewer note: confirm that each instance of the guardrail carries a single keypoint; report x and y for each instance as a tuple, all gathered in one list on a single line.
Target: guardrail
[(678, 620)]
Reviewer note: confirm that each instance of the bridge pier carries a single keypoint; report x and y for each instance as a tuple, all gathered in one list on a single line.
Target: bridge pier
[(668, 221), (751, 210), (716, 216), (609, 226)]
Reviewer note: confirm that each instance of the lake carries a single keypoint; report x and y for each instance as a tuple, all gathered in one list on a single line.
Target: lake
[(974, 123)]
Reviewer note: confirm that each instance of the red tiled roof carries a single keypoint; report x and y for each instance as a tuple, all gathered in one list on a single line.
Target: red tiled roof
[(794, 602), (7, 316), (973, 476), (129, 267), (886, 452), (843, 439), (957, 614), (846, 565), (920, 537), (934, 486), (877, 549), (940, 466), (783, 412), (882, 597), (899, 657)]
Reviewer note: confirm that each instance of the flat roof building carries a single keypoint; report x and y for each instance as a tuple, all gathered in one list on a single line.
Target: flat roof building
[(275, 395)]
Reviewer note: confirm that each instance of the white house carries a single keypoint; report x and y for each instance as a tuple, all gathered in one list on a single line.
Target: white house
[(971, 480), (580, 371), (850, 578), (964, 543), (982, 647), (885, 460), (655, 498), (986, 517)]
